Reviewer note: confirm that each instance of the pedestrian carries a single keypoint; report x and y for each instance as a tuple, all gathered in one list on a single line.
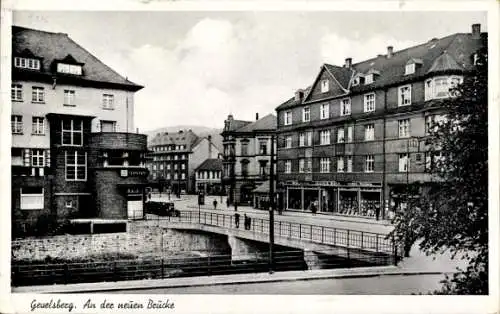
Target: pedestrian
[(215, 204), (227, 202), (245, 220), (235, 206), (237, 220)]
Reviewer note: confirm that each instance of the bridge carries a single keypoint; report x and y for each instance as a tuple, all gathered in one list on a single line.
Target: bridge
[(318, 243)]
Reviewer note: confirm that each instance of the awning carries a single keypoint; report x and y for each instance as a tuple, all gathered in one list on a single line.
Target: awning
[(263, 188)]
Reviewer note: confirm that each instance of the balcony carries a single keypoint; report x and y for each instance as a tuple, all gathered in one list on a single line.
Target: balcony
[(118, 141)]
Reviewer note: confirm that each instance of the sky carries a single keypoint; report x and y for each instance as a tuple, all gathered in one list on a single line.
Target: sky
[(198, 67)]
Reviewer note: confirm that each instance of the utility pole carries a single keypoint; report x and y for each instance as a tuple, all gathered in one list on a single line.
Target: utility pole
[(271, 208)]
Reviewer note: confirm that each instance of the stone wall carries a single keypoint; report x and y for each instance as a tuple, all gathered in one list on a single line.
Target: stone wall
[(141, 241)]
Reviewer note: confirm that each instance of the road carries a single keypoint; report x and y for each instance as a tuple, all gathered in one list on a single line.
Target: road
[(189, 203), (379, 285)]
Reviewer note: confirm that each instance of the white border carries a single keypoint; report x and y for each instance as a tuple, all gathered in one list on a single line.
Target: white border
[(11, 303)]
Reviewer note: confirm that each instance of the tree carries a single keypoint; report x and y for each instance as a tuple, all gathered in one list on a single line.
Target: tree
[(453, 213)]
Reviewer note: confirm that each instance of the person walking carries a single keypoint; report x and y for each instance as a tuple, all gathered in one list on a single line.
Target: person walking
[(237, 220), (215, 204), (227, 202)]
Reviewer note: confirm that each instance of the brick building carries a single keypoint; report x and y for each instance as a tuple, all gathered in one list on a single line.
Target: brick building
[(209, 177), (73, 151), (247, 156), (174, 158), (354, 139)]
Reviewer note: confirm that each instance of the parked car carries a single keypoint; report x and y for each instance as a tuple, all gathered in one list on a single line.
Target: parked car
[(162, 209)]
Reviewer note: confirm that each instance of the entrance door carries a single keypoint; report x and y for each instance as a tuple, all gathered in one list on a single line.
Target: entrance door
[(134, 207)]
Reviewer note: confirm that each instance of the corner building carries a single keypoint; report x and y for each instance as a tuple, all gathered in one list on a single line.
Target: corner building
[(74, 153), (354, 140)]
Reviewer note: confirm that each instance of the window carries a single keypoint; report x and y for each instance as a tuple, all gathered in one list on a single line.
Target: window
[(349, 134), (69, 68), (288, 141), (69, 97), (302, 139), (262, 148), (340, 164), (76, 166), (183, 166), (324, 86), (410, 68), (403, 163), (288, 166), (404, 93), (288, 118), (324, 165), (369, 102), (108, 126), (324, 111), (68, 204), (324, 137), (27, 63), (345, 107), (161, 166), (168, 166), (304, 165), (340, 135), (183, 176), (369, 163), (404, 127), (369, 132), (309, 138), (244, 149), (433, 160), (369, 79), (176, 176), (306, 114), (38, 126), (37, 158), (32, 198), (244, 168), (16, 92), (37, 94), (349, 163), (168, 176), (175, 166), (439, 87), (108, 101), (72, 132), (16, 124)]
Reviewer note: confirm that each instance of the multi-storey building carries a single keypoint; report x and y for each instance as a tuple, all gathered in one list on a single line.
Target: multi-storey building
[(247, 156), (355, 139), (73, 150), (174, 158), (209, 177)]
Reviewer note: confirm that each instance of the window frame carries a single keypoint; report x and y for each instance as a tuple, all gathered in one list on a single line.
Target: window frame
[(37, 128), (76, 165), (16, 92), (69, 97), (324, 165), (325, 86), (368, 102), (401, 94), (350, 134), (16, 122), (344, 105), (33, 195), (288, 166), (349, 163), (410, 68), (340, 164), (404, 162), (288, 141), (306, 112), (67, 68), (108, 101), (38, 155), (405, 126), (71, 131), (369, 132), (287, 117), (111, 122), (324, 111), (340, 135), (18, 63), (302, 139), (38, 94), (324, 137), (369, 161)]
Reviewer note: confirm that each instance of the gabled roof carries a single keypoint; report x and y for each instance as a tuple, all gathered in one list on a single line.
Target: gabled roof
[(58, 46), (233, 125), (213, 164), (188, 138), (450, 53), (267, 123)]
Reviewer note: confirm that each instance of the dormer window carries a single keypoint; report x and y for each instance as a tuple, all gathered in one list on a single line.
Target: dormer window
[(358, 80), (410, 68), (369, 79), (27, 63), (324, 86), (69, 68)]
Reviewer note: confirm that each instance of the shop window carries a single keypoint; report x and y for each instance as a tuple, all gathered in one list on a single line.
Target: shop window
[(32, 198)]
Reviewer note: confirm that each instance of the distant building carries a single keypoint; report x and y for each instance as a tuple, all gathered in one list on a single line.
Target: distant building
[(355, 139), (174, 158), (209, 177), (74, 153), (247, 156)]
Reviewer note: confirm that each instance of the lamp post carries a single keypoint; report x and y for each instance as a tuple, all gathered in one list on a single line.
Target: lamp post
[(271, 208)]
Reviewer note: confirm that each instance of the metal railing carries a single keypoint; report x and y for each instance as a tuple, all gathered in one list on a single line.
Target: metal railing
[(340, 237)]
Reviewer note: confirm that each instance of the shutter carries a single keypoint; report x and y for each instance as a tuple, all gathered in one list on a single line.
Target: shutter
[(27, 156), (47, 158)]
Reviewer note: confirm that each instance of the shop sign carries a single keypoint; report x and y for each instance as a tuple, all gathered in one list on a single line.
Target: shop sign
[(134, 191), (133, 172)]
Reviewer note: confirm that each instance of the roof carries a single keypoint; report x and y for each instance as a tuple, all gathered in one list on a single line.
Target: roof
[(210, 164), (182, 137), (232, 125), (267, 123), (50, 47), (450, 53)]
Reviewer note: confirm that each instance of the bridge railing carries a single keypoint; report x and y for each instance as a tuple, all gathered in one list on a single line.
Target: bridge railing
[(354, 239)]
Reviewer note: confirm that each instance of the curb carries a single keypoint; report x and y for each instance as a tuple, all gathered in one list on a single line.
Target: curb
[(223, 280)]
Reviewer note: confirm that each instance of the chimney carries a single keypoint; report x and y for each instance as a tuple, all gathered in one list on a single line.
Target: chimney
[(209, 146), (230, 117), (299, 94), (389, 51), (476, 31), (256, 116), (348, 63)]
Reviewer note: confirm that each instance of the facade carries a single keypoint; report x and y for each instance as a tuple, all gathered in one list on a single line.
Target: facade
[(247, 156), (174, 158), (209, 177), (73, 151), (355, 139)]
